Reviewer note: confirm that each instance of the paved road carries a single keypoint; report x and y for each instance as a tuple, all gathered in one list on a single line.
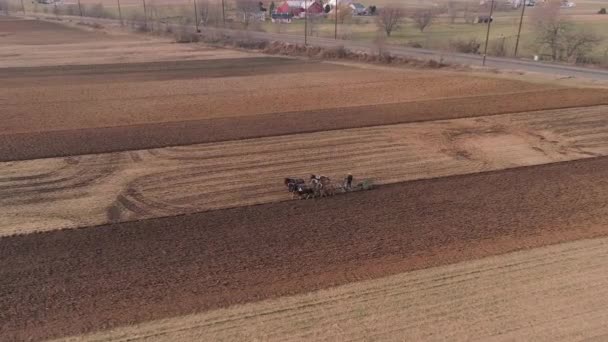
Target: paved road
[(450, 57)]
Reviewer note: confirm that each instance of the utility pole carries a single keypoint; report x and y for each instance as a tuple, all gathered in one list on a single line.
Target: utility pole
[(336, 23), (120, 13), (223, 14), (145, 16), (23, 7), (485, 52), (80, 8), (305, 22), (521, 21), (196, 17)]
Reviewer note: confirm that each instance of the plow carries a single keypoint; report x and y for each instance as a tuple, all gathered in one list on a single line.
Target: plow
[(321, 186)]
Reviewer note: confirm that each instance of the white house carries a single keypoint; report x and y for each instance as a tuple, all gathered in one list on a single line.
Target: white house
[(332, 3)]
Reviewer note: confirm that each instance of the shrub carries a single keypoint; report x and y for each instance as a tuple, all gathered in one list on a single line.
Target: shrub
[(499, 47), (466, 46), (95, 11), (602, 11), (251, 44), (336, 52), (184, 36), (71, 10)]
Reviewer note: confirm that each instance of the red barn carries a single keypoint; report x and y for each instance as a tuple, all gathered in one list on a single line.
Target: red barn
[(296, 8), (291, 7), (315, 8)]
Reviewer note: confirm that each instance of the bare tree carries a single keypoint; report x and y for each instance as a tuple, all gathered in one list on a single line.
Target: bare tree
[(549, 27), (209, 12), (452, 11), (423, 18), (565, 41), (246, 10), (468, 13), (4, 6), (550, 36), (313, 23), (344, 12), (546, 13), (577, 44), (499, 46), (389, 18)]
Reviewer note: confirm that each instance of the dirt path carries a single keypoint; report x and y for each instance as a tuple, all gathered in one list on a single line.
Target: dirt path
[(112, 139), (556, 293), (81, 191), (74, 281)]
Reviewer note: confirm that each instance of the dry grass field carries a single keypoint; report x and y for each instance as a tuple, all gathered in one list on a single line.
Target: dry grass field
[(142, 197)]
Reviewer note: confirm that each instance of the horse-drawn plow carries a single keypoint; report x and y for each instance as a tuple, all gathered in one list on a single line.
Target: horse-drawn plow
[(321, 186)]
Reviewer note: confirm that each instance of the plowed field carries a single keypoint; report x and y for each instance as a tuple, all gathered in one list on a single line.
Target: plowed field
[(68, 282), (53, 193), (141, 197), (144, 136), (545, 301), (43, 108)]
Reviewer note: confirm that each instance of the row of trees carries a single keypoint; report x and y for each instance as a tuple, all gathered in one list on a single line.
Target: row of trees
[(555, 37), (562, 39), (390, 18)]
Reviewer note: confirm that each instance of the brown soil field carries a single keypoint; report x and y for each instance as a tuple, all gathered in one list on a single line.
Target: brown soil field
[(555, 293), (70, 282), (187, 214), (66, 106), (16, 31), (27, 43), (81, 84), (87, 190), (60, 143)]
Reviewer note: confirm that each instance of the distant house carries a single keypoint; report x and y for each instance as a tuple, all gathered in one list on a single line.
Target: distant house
[(281, 17), (358, 8), (315, 8), (518, 3), (332, 3), (296, 8), (293, 8)]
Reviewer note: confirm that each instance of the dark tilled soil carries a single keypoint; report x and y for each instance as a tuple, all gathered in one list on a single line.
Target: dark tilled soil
[(39, 32), (155, 71), (69, 282), (111, 139)]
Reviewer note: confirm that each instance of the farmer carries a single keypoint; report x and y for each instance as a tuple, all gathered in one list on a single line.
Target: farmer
[(348, 182), (315, 180)]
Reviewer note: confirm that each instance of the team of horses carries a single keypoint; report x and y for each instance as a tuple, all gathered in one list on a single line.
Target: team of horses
[(317, 186), (321, 186)]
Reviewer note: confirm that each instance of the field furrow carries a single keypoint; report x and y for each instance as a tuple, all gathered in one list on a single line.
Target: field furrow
[(546, 300), (489, 220), (69, 282), (135, 185)]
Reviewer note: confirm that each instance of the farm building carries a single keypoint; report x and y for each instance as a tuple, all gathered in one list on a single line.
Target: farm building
[(296, 8), (293, 8), (332, 3), (358, 8), (315, 8), (281, 17)]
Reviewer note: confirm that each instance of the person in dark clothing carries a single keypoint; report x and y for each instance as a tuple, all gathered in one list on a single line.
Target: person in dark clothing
[(348, 182)]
